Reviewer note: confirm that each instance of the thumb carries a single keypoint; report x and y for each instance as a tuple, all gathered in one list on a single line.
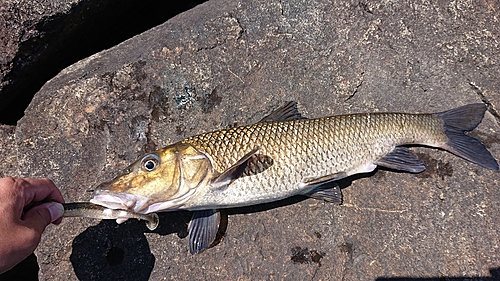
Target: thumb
[(42, 215)]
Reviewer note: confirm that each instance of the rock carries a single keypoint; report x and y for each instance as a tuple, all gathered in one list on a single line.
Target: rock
[(227, 63), (21, 30), (8, 152), (39, 38)]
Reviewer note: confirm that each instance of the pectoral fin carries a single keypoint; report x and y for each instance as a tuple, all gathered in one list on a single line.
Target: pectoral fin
[(203, 229), (232, 173), (402, 159)]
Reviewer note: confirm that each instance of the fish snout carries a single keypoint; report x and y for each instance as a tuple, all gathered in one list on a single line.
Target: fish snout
[(102, 188), (121, 184), (108, 199), (119, 201)]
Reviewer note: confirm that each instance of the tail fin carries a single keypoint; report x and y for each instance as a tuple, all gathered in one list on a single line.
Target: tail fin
[(463, 119)]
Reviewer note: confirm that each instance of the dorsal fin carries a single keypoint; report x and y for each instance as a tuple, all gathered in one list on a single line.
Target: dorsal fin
[(287, 112)]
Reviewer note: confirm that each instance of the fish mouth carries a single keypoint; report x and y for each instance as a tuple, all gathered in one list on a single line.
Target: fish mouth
[(121, 201)]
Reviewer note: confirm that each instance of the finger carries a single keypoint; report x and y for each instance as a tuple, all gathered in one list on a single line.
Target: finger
[(37, 190), (30, 228), (58, 221), (42, 215)]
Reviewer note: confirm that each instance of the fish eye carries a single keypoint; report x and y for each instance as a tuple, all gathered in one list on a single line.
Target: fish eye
[(150, 162), (150, 165)]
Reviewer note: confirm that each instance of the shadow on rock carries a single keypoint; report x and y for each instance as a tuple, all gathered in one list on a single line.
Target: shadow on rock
[(109, 251), (495, 275), (174, 222)]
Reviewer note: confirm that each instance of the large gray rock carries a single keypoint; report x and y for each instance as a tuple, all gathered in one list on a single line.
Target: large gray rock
[(8, 152), (226, 63), (24, 45), (39, 38)]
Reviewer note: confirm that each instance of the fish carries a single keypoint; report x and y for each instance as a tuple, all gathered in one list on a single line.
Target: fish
[(284, 155), (89, 210)]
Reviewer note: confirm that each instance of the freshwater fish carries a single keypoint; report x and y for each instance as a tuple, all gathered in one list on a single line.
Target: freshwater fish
[(284, 155), (89, 210)]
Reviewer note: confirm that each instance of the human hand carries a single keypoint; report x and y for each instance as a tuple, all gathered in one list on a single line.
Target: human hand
[(27, 206)]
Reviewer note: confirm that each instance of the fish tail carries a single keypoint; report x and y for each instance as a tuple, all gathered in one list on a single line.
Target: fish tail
[(456, 122)]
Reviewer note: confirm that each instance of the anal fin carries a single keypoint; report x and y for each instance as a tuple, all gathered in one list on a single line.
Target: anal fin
[(324, 188), (402, 159), (327, 193), (203, 229)]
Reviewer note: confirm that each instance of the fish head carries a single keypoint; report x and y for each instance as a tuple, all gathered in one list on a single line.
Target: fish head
[(163, 180)]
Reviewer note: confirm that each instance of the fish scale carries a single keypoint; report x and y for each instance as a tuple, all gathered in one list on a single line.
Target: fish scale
[(311, 148)]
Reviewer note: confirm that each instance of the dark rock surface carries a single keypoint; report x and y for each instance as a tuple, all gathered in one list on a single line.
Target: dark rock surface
[(27, 38), (39, 38), (225, 63)]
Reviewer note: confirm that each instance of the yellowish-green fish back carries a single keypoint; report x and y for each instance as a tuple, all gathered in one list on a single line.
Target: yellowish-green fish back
[(338, 140)]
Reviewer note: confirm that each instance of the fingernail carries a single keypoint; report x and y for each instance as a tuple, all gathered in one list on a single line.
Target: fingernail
[(56, 210)]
